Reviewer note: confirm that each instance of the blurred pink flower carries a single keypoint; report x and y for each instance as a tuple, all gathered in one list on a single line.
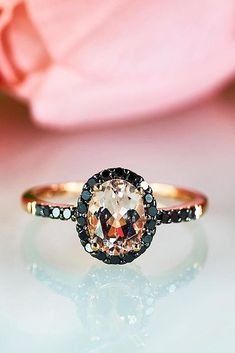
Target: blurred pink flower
[(76, 62)]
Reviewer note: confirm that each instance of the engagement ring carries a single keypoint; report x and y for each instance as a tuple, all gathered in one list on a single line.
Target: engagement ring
[(117, 212)]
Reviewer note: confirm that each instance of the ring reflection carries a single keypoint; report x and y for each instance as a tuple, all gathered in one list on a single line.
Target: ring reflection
[(115, 303)]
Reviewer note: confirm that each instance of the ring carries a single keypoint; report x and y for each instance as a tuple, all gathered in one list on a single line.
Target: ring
[(117, 212)]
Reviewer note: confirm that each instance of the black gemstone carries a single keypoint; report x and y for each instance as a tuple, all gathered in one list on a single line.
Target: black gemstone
[(82, 208), (184, 213), (119, 172), (129, 257), (74, 212), (165, 218), (83, 235), (151, 224), (38, 210), (86, 195), (132, 177), (115, 260), (159, 216), (132, 215), (91, 182), (147, 239), (152, 211), (46, 211), (192, 213), (99, 255), (174, 216), (105, 173), (107, 260), (81, 221)]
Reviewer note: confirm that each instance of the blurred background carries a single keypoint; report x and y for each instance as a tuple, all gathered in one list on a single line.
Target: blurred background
[(147, 86)]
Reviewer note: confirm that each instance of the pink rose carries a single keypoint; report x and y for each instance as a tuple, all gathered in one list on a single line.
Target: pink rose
[(76, 62)]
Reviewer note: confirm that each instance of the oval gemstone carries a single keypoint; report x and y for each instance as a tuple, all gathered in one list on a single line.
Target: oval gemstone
[(116, 217)]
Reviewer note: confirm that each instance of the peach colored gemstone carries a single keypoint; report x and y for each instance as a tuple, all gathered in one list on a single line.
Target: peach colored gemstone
[(116, 217)]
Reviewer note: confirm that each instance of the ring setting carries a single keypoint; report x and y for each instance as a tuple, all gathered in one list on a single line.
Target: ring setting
[(116, 213), (116, 216)]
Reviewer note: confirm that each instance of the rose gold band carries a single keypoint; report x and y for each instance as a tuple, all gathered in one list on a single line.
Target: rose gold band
[(39, 196)]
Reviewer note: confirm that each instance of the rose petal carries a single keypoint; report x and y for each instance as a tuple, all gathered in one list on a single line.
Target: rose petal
[(121, 58), (79, 102), (21, 48)]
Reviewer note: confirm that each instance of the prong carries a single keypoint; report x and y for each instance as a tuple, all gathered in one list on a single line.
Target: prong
[(136, 247), (95, 246)]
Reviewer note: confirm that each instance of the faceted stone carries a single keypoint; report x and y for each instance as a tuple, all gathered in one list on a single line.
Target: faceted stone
[(66, 213), (132, 177), (56, 212), (148, 198), (147, 239), (105, 174), (116, 217), (192, 213), (174, 216), (165, 218), (82, 233), (91, 182), (81, 221), (115, 260), (152, 211), (38, 210), (82, 208), (130, 257), (184, 213), (86, 195), (151, 224), (46, 211), (119, 172)]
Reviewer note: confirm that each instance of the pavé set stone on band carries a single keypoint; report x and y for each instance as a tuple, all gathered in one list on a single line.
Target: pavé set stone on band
[(116, 212)]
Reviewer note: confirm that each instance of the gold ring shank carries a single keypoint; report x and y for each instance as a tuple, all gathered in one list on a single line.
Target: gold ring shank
[(41, 195)]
